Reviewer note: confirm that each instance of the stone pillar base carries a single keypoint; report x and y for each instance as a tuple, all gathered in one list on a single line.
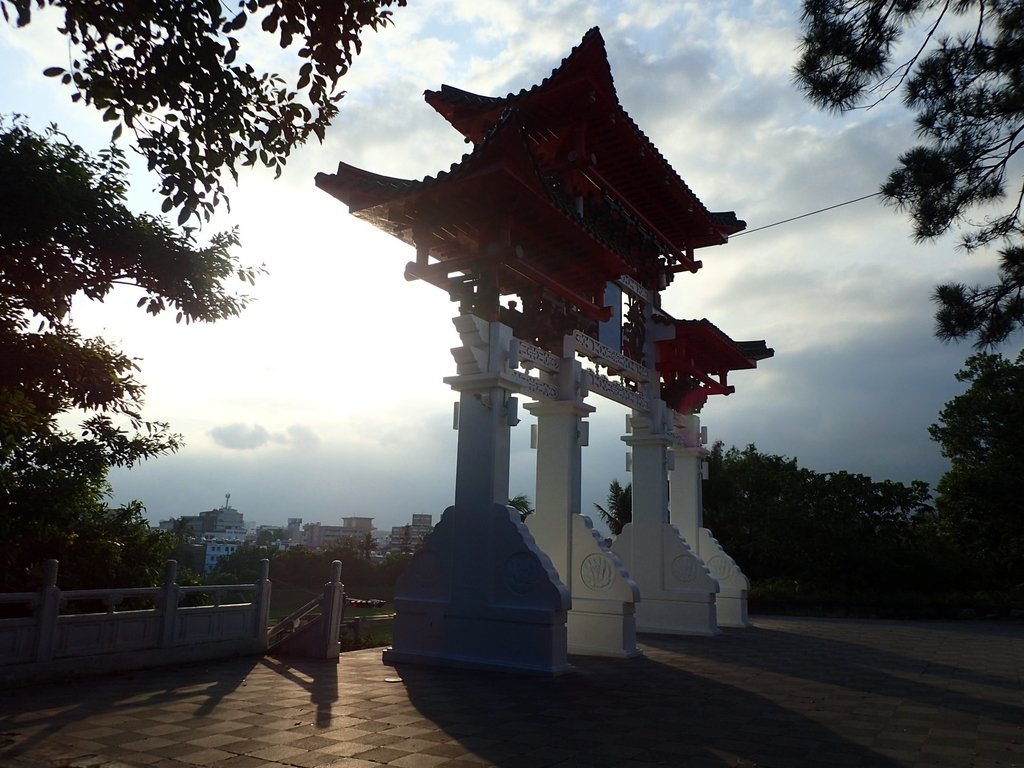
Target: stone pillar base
[(684, 614), (480, 594), (594, 631), (602, 621), (731, 608), (515, 642), (732, 583), (677, 594)]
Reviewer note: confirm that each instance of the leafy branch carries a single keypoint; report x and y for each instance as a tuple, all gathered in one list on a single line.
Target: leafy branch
[(170, 71)]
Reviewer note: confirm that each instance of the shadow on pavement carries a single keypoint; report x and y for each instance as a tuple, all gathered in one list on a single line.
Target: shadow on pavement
[(317, 676), (112, 698), (609, 712), (901, 661)]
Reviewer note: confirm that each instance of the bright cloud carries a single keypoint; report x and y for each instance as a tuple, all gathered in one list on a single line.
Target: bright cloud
[(247, 437)]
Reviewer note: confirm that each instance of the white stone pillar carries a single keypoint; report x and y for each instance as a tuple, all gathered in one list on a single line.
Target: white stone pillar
[(676, 591), (481, 471), (687, 514), (602, 620), (686, 511), (480, 593), (559, 477)]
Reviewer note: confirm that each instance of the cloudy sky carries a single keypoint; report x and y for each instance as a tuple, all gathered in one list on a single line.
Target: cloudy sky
[(325, 398)]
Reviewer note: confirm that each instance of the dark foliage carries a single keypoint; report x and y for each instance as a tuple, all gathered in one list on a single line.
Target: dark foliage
[(981, 498), (521, 503), (307, 569), (827, 531), (620, 507), (65, 232), (174, 73)]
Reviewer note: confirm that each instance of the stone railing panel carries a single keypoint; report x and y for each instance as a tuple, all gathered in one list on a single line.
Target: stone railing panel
[(53, 640)]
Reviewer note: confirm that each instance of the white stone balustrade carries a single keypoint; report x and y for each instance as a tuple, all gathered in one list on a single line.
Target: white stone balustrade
[(49, 643)]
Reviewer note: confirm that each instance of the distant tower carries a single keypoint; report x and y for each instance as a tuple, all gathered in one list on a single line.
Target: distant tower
[(227, 500)]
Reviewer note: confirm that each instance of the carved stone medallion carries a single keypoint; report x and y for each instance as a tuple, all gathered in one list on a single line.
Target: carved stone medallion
[(520, 574), (720, 567), (597, 571), (684, 569)]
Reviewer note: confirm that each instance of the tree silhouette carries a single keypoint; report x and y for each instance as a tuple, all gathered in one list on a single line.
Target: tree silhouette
[(620, 507), (367, 546), (178, 75), (521, 503), (981, 498), (964, 84)]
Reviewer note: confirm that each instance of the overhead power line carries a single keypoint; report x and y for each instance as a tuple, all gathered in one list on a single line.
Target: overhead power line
[(804, 215)]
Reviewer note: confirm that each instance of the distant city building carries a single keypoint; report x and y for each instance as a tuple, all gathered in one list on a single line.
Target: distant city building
[(215, 550), (218, 531), (275, 536), (222, 519), (228, 534), (405, 538), (357, 527), (214, 523), (320, 536)]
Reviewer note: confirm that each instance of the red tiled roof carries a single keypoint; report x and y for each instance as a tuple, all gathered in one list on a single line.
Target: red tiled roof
[(579, 91)]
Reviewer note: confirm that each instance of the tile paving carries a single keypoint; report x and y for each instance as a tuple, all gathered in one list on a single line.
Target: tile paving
[(786, 693)]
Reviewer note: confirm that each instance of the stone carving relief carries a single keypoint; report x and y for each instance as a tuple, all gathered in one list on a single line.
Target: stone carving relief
[(597, 571), (520, 574), (721, 568), (685, 569)]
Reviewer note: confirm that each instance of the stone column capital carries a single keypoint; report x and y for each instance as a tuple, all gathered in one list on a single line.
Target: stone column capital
[(683, 451), (634, 439), (560, 407), (474, 382)]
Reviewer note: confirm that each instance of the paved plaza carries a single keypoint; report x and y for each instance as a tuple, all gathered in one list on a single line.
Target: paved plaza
[(788, 692)]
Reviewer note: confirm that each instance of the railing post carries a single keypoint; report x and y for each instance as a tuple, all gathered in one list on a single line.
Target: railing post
[(330, 611), (47, 613), (263, 604), (169, 595)]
